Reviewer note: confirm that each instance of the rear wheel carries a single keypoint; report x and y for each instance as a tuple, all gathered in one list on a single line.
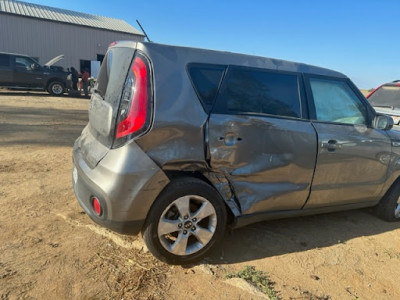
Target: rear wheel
[(56, 88), (185, 222), (389, 207)]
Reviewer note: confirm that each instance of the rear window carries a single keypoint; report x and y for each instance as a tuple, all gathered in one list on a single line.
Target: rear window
[(206, 79), (4, 60), (113, 71), (386, 96), (257, 91)]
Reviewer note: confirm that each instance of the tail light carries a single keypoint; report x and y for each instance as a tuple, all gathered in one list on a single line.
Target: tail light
[(134, 116)]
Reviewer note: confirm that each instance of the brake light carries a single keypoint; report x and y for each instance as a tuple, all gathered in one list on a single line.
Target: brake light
[(133, 112)]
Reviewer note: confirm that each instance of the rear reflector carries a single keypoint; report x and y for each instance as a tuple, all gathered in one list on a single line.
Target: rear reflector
[(96, 206), (134, 103)]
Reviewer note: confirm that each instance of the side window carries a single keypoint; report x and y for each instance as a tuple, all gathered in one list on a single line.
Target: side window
[(251, 90), (23, 62), (206, 79), (336, 102), (4, 60)]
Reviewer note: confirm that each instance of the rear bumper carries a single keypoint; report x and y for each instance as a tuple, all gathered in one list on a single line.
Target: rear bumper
[(126, 182)]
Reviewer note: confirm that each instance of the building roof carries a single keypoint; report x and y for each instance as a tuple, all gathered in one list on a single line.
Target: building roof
[(65, 16)]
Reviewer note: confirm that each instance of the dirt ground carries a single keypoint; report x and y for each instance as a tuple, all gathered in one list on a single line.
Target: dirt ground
[(49, 249)]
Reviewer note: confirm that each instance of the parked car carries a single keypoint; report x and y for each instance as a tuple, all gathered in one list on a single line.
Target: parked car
[(24, 72), (386, 100), (192, 141)]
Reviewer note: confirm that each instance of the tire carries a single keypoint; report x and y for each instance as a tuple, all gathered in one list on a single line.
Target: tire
[(185, 222), (56, 88), (389, 207)]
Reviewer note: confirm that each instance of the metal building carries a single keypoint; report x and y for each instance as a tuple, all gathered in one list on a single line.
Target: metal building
[(44, 32)]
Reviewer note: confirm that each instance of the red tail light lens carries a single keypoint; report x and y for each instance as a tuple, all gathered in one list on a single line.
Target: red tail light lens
[(134, 112), (96, 206)]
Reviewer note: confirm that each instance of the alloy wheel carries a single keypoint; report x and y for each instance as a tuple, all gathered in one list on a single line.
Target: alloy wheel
[(187, 225)]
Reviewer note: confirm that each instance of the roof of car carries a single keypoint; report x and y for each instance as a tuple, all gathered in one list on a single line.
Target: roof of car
[(65, 16), (15, 54), (393, 83), (228, 58)]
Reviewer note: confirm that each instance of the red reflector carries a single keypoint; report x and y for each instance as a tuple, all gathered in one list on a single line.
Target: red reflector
[(137, 115), (96, 206), (112, 44)]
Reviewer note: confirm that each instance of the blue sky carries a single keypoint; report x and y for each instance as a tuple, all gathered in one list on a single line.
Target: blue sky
[(355, 37)]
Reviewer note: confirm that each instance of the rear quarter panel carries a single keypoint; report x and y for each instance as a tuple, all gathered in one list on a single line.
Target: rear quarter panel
[(177, 131)]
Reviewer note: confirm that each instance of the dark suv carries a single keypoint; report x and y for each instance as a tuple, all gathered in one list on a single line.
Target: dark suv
[(183, 142), (24, 72)]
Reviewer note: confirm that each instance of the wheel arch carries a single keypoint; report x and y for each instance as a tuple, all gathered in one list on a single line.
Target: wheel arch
[(388, 205), (232, 211), (53, 79), (181, 185), (393, 179)]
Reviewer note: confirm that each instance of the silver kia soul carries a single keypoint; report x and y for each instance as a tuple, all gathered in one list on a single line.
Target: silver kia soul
[(183, 142)]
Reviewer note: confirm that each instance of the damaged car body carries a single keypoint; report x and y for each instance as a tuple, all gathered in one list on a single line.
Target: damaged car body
[(183, 142)]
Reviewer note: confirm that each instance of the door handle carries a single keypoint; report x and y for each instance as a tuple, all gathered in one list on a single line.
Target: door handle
[(331, 145), (230, 139)]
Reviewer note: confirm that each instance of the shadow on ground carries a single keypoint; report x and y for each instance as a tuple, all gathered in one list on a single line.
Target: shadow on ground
[(40, 126), (39, 94), (24, 93), (274, 238)]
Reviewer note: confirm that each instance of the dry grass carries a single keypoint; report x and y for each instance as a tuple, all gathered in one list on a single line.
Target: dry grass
[(134, 276), (366, 92)]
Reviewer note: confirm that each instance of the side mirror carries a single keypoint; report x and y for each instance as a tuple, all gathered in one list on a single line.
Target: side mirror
[(383, 122)]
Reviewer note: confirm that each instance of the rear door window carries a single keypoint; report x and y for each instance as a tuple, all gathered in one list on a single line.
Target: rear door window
[(257, 91), (206, 79)]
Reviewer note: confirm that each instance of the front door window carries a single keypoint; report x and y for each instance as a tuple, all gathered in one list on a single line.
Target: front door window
[(336, 102)]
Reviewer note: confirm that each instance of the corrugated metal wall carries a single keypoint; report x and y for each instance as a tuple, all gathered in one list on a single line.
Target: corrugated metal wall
[(47, 39)]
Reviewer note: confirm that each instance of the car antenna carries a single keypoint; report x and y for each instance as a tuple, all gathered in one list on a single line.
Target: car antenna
[(145, 34)]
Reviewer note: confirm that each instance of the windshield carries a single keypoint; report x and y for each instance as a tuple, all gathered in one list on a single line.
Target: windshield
[(112, 74), (386, 96), (108, 89)]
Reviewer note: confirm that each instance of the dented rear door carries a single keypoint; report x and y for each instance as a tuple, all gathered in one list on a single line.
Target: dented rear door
[(260, 141)]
